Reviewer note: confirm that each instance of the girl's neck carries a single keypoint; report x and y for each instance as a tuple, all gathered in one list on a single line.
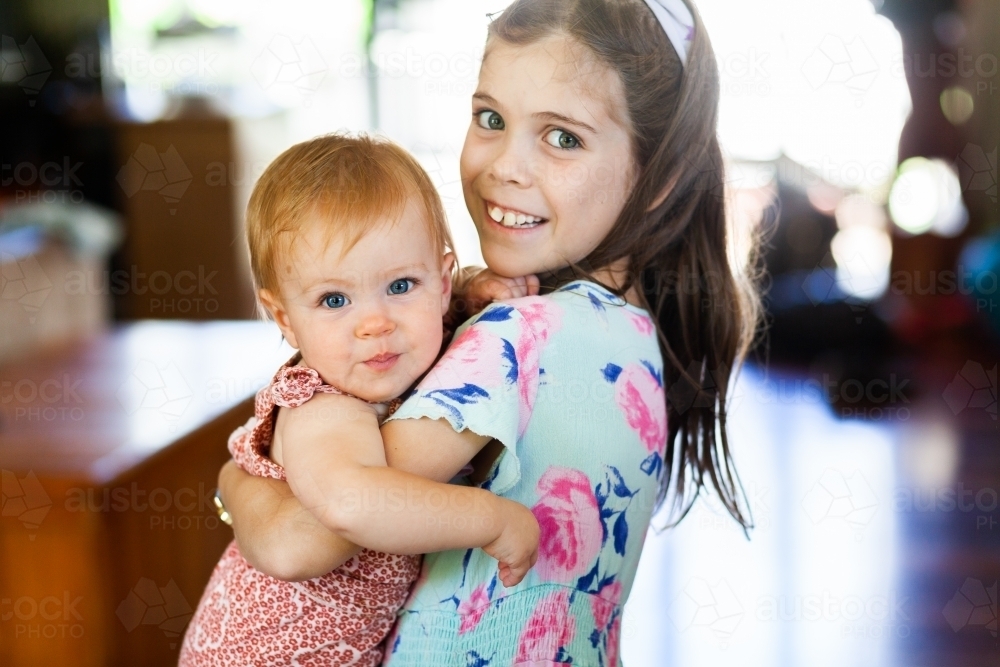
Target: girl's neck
[(615, 276)]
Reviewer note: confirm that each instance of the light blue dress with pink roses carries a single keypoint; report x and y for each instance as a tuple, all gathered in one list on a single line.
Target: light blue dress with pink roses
[(572, 384)]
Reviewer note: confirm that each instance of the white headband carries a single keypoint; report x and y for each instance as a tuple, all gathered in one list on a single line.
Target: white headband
[(677, 22)]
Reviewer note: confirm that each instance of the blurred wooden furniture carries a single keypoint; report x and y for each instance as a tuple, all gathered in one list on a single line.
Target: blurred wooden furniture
[(109, 451), (184, 247), (44, 296)]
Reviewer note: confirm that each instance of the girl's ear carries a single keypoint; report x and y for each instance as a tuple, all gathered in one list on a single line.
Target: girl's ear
[(278, 313), (447, 269)]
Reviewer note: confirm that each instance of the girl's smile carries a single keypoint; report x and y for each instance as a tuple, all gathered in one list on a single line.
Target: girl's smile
[(547, 163)]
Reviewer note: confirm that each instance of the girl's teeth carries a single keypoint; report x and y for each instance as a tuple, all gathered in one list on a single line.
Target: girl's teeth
[(511, 219)]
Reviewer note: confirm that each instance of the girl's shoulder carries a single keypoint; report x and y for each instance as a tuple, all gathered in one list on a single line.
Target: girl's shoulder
[(581, 309)]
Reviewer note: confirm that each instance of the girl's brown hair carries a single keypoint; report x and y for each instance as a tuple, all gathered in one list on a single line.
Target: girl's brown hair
[(679, 251)]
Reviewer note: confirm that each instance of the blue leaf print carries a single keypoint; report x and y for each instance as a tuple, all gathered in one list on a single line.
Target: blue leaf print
[(465, 565), (652, 464), (621, 490), (621, 534), (584, 582), (467, 393), (452, 410), (395, 644), (473, 659), (595, 637), (606, 581), (655, 372), (496, 314), (511, 357), (600, 494), (611, 372), (563, 657), (595, 302), (492, 587)]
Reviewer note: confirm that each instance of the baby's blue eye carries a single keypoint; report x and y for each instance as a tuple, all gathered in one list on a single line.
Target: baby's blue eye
[(335, 301), (401, 286), (490, 120)]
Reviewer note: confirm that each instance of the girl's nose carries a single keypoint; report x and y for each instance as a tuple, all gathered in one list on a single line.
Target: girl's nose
[(511, 165)]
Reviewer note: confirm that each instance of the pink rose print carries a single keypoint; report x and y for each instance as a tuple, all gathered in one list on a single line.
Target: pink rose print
[(543, 317), (550, 627), (527, 386), (604, 603), (642, 323), (472, 608), (640, 397), (570, 524), (463, 363), (614, 638)]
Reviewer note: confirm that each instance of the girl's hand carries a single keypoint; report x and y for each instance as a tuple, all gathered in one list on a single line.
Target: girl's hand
[(477, 288), (517, 547)]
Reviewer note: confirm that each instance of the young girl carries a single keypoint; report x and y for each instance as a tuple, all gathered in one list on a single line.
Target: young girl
[(591, 159), (350, 253)]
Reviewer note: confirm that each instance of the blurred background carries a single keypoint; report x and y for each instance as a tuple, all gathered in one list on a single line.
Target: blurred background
[(861, 140)]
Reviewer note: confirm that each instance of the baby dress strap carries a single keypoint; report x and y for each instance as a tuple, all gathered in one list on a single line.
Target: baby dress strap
[(294, 385)]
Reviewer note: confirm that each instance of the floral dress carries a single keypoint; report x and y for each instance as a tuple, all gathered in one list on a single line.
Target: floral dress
[(246, 617), (571, 384)]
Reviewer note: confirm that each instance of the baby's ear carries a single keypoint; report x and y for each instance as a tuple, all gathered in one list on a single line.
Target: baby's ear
[(447, 272), (273, 304)]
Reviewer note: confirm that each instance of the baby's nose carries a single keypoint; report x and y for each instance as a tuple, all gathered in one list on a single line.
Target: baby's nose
[(375, 324)]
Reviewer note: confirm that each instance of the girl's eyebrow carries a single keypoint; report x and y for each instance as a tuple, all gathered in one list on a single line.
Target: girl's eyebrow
[(489, 99), (558, 117)]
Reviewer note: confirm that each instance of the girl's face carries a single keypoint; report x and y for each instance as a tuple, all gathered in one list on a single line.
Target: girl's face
[(368, 320), (547, 163)]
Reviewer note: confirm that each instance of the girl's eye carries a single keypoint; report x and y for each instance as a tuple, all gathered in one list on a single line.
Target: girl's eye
[(335, 301), (401, 286), (490, 120), (561, 139)]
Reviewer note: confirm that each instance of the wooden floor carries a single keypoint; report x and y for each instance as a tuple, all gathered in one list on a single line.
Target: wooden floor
[(878, 531)]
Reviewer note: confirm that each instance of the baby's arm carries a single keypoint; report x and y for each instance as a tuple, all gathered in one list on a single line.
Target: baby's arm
[(276, 534), (337, 469)]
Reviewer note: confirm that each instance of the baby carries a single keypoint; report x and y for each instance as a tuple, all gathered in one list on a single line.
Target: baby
[(350, 252)]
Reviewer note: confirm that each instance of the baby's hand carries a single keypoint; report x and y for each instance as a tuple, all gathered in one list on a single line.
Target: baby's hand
[(517, 547), (486, 287)]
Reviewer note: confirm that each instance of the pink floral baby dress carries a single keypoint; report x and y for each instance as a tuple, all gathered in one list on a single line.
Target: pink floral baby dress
[(246, 617)]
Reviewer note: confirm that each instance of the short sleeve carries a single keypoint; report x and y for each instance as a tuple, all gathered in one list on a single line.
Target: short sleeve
[(486, 382)]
